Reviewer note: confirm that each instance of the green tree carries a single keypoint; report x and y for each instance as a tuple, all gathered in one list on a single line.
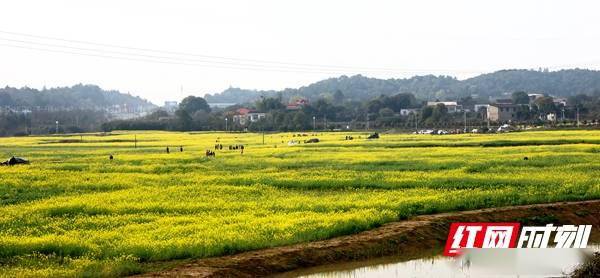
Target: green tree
[(374, 106), (402, 101), (545, 105), (338, 97), (191, 104), (157, 115), (426, 112), (386, 112), (520, 98), (300, 120), (184, 120), (269, 104), (440, 111)]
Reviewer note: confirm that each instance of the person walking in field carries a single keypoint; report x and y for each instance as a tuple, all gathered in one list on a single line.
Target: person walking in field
[(167, 149), (242, 148), (181, 148)]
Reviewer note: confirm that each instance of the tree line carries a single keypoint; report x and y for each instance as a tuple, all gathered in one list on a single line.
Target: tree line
[(562, 83), (332, 111), (338, 112)]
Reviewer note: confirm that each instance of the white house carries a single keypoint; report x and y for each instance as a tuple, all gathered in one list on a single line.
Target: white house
[(246, 116), (408, 111), (452, 106)]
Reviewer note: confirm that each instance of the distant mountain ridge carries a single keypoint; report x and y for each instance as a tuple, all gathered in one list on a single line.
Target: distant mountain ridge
[(75, 97), (562, 83)]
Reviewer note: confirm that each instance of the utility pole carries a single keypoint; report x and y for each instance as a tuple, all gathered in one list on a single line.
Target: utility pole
[(325, 122), (465, 115), (56, 127), (577, 116), (367, 120), (135, 141), (487, 117), (226, 129), (416, 122), (314, 124)]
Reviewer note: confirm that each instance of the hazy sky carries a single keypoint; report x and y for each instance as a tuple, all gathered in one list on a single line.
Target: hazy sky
[(309, 40)]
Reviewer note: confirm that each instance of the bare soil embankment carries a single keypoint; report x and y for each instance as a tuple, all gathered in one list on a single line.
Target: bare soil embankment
[(406, 239)]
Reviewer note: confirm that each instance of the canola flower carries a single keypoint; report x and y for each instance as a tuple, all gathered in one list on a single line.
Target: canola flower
[(73, 212)]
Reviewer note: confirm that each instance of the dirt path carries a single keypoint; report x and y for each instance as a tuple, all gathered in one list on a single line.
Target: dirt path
[(406, 239)]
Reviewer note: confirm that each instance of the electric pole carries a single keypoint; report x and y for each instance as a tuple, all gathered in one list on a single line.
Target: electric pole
[(56, 127), (314, 124), (367, 120), (416, 122), (577, 116), (465, 113)]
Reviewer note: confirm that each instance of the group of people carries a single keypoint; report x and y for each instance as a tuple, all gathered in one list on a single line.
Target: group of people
[(237, 147), (180, 149)]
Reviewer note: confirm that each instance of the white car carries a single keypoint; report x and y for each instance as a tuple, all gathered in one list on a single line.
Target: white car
[(505, 128)]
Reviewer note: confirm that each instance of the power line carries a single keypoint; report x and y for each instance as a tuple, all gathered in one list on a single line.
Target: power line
[(152, 61), (184, 53), (266, 63), (217, 62), (207, 62)]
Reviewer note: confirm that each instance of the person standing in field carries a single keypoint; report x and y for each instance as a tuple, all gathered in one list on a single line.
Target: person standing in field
[(242, 148), (167, 149), (181, 148)]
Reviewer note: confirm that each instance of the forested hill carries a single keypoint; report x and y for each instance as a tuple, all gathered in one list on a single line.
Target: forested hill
[(75, 97), (561, 83)]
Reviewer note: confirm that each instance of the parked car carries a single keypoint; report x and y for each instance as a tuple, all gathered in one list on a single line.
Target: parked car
[(505, 128)]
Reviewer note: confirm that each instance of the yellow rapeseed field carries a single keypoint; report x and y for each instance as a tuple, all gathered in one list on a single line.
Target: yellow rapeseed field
[(74, 212)]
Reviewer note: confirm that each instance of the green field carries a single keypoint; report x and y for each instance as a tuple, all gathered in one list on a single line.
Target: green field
[(73, 212)]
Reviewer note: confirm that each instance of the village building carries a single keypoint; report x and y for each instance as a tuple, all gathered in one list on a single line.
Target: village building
[(502, 112), (452, 106), (551, 117), (297, 104), (409, 111), (560, 101), (533, 97), (479, 107), (246, 116)]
